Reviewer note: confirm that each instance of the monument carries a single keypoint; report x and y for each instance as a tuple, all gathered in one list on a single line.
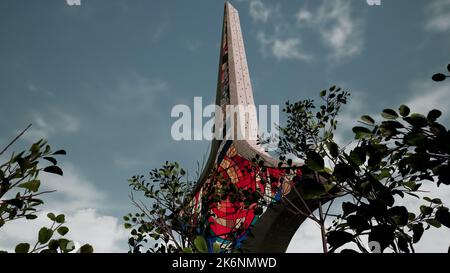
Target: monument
[(231, 160)]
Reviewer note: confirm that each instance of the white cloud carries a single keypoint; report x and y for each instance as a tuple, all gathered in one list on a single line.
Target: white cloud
[(73, 190), (259, 11), (438, 16), (307, 239), (429, 95), (303, 16), (339, 28), (335, 22), (104, 233), (52, 123), (289, 48), (281, 44), (81, 202)]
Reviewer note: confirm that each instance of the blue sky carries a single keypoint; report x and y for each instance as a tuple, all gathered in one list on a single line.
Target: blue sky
[(100, 79)]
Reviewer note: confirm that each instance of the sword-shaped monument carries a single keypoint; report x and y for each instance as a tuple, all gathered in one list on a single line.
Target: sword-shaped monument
[(231, 159)]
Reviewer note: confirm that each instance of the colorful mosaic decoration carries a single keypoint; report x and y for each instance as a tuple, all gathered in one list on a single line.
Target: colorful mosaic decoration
[(230, 220)]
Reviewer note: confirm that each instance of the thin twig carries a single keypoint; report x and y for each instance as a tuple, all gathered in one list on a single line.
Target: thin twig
[(322, 229), (15, 139), (300, 211)]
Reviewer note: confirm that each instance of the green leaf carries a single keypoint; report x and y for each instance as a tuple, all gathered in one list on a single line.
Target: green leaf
[(434, 114), (60, 152), (415, 138), (358, 156), (404, 110), (338, 238), (333, 148), (358, 223), (32, 185), (433, 222), (348, 208), (51, 159), (344, 171), (63, 230), (399, 214), (383, 234), (53, 244), (187, 250), (127, 225), (385, 173), (323, 93), (23, 163), (361, 132), (314, 161), (60, 219), (44, 235), (417, 232), (310, 189), (51, 216), (417, 120), (66, 245), (200, 244), (328, 186), (54, 170), (34, 149), (443, 216), (368, 120), (426, 210), (15, 202), (87, 248), (438, 77), (389, 114), (411, 185), (22, 248), (31, 216)]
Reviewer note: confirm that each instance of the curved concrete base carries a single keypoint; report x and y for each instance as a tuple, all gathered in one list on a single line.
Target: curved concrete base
[(273, 232)]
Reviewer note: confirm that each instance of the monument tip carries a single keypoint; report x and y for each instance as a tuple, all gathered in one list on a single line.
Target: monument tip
[(229, 5)]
